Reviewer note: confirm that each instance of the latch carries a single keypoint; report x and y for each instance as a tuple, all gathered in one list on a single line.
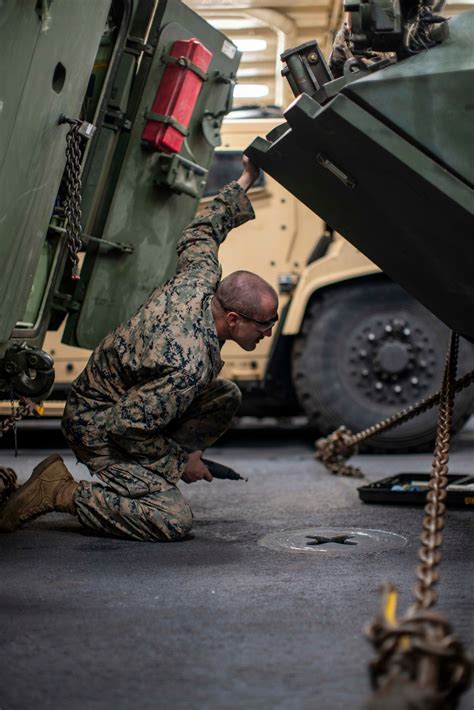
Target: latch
[(115, 120), (180, 175), (104, 244), (222, 96)]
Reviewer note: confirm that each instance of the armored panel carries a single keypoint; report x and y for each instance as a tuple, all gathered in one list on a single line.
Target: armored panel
[(45, 71), (148, 197), (384, 190), (430, 99)]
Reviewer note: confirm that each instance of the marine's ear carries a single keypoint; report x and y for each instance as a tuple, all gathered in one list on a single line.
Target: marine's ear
[(231, 318)]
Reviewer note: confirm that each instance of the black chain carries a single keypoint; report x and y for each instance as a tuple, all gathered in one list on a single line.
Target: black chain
[(72, 204)]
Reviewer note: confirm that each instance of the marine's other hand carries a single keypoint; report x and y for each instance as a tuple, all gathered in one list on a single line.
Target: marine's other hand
[(249, 175), (195, 469)]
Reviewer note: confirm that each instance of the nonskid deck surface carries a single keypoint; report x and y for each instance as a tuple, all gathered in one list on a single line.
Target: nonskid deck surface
[(219, 621)]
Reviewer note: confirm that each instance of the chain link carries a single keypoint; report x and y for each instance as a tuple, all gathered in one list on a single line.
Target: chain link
[(72, 204), (419, 655), (334, 450), (433, 523), (8, 481), (419, 663), (24, 409)]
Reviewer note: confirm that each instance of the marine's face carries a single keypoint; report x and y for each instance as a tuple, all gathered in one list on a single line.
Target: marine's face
[(247, 331)]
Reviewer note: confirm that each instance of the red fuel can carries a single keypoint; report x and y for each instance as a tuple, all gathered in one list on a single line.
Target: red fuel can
[(167, 122)]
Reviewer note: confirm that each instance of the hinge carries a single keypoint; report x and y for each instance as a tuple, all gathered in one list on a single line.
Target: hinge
[(65, 302), (115, 120)]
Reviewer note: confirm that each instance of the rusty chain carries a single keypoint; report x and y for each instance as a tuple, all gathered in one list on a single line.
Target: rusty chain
[(25, 408), (8, 482), (334, 450), (72, 203), (419, 664), (418, 657), (433, 522)]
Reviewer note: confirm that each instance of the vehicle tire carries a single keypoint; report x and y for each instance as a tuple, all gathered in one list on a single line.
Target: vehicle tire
[(368, 350)]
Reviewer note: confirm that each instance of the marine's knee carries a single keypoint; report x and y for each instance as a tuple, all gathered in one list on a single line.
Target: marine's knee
[(174, 520), (180, 524)]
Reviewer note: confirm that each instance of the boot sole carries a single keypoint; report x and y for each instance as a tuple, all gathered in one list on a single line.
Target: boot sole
[(36, 472)]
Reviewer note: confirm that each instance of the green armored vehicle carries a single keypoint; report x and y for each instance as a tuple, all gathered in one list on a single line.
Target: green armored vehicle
[(384, 154), (126, 98)]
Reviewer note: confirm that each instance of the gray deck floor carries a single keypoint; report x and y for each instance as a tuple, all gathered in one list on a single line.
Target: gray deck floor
[(217, 621)]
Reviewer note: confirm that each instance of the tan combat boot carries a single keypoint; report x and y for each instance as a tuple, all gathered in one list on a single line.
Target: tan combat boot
[(50, 487)]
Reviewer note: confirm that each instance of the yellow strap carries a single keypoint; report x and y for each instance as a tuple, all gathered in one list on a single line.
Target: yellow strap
[(390, 613)]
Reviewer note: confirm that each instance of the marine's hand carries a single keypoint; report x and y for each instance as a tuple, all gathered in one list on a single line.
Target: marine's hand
[(195, 469), (249, 175)]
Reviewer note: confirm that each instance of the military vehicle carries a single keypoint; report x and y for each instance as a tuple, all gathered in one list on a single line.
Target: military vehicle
[(384, 154), (126, 98), (351, 345), (318, 274)]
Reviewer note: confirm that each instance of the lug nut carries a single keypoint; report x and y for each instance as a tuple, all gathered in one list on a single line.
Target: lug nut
[(378, 386), (414, 380), (371, 336), (397, 389)]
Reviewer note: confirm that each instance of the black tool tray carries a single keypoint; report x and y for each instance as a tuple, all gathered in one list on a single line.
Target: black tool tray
[(411, 489)]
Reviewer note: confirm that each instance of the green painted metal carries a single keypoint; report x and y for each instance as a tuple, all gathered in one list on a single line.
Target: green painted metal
[(384, 182), (124, 204), (46, 61), (431, 98)]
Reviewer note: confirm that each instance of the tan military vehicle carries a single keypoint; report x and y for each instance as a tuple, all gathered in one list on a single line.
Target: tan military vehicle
[(351, 346)]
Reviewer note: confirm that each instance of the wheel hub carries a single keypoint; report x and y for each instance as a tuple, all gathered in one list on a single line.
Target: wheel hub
[(390, 361), (393, 357)]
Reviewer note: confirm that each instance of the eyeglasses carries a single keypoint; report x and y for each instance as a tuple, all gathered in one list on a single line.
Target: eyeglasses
[(265, 324)]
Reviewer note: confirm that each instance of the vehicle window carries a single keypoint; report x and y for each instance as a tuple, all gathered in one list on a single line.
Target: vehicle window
[(225, 167)]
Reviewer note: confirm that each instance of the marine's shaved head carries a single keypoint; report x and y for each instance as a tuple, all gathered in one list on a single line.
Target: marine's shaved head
[(246, 292)]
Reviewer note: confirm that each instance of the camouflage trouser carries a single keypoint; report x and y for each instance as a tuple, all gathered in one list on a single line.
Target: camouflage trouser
[(139, 504)]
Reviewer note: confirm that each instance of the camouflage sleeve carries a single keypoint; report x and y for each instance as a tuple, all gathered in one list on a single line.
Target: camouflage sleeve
[(341, 51), (136, 423), (197, 249)]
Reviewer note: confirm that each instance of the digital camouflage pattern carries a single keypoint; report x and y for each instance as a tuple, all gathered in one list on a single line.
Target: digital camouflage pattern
[(148, 394), (341, 51)]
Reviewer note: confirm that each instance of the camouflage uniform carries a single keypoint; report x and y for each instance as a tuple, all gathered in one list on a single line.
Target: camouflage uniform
[(149, 393), (341, 51)]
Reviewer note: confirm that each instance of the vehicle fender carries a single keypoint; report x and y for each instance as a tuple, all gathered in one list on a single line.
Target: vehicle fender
[(341, 263)]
